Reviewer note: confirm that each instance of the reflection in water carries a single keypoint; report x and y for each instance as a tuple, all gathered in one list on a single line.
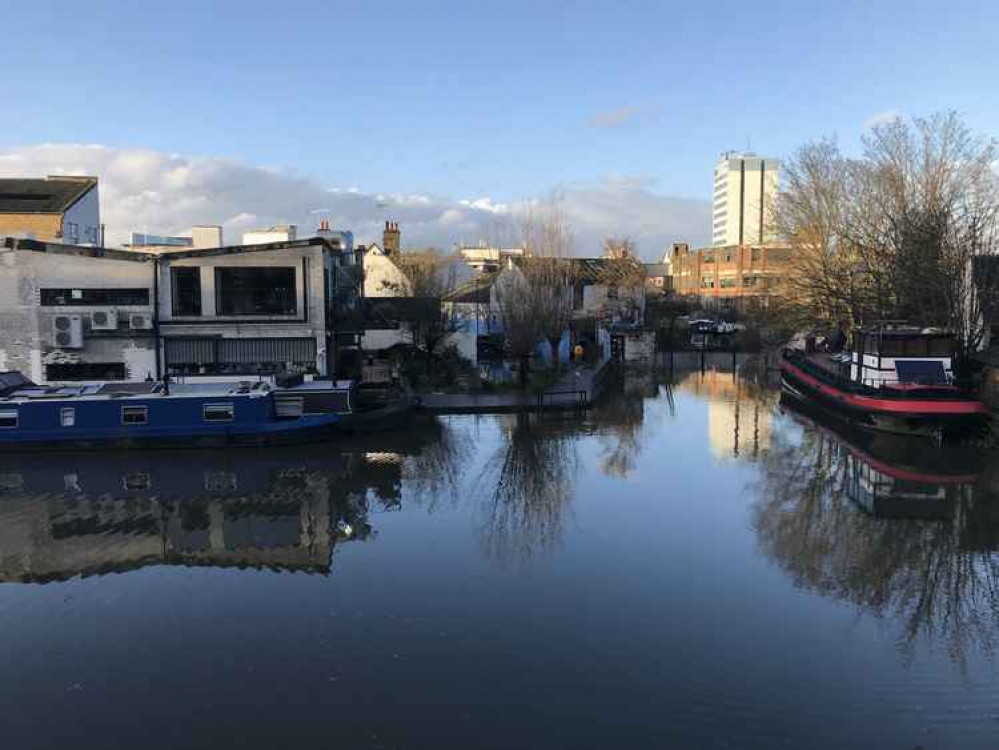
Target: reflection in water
[(739, 411), (530, 482), (897, 527), (280, 509), (618, 419)]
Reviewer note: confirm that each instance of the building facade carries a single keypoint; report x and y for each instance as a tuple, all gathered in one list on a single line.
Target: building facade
[(51, 209), (76, 313), (71, 313), (731, 274), (745, 186)]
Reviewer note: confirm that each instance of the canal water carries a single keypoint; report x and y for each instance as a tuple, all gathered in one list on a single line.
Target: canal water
[(693, 564)]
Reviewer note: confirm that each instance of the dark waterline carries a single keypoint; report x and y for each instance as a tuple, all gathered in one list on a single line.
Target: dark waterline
[(693, 564)]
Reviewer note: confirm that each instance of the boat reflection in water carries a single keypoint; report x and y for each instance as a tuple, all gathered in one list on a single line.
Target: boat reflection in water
[(903, 529), (280, 509)]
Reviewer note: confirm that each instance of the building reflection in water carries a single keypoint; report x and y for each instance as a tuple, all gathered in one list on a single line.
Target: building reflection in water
[(739, 411), (898, 527), (287, 509)]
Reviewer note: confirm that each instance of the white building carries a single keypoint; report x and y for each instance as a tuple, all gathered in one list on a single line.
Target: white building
[(745, 186), (276, 233), (201, 237), (484, 258)]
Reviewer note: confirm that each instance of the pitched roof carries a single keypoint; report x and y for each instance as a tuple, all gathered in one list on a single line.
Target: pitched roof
[(51, 195), (474, 291)]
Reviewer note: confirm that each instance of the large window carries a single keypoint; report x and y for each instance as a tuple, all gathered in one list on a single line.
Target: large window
[(85, 371), (100, 297), (255, 291), (185, 290)]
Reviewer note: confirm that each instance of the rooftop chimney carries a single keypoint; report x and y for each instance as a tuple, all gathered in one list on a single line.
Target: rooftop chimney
[(390, 239)]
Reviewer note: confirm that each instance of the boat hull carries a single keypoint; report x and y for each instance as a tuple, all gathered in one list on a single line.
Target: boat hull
[(291, 432), (904, 414)]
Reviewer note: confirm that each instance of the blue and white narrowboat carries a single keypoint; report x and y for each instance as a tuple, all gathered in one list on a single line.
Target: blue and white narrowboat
[(150, 414)]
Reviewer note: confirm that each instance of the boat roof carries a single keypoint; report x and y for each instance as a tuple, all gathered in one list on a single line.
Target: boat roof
[(129, 390), (905, 332)]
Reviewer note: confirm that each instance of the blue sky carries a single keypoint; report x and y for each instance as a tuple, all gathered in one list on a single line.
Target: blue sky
[(471, 99)]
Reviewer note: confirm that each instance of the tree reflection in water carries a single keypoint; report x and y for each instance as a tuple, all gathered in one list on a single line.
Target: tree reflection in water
[(902, 542), (618, 419), (433, 474), (528, 485)]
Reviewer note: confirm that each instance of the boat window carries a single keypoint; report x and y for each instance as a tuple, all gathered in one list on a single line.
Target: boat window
[(67, 416), (218, 412), (220, 481), (134, 414), (289, 407), (892, 347), (940, 347), (137, 480), (8, 418)]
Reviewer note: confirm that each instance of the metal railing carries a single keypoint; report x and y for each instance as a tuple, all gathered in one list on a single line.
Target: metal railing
[(579, 397)]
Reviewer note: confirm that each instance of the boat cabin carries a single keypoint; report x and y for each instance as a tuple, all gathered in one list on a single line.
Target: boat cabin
[(902, 357)]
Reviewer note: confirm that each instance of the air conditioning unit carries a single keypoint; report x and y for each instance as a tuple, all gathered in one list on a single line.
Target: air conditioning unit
[(68, 331), (104, 319), (140, 321)]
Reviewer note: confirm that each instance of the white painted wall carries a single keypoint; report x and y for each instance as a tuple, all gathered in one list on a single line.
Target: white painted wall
[(27, 341)]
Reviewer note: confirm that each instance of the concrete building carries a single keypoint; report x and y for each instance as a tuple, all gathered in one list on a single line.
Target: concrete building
[(729, 275), (51, 209), (744, 187), (258, 309), (76, 313), (70, 313)]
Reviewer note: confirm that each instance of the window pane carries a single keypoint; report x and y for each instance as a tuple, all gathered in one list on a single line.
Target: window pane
[(91, 297), (134, 415), (185, 285), (67, 417), (218, 412), (8, 418), (255, 291)]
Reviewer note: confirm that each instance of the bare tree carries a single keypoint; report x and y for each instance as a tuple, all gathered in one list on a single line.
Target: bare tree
[(619, 247), (894, 234), (429, 277), (519, 316), (549, 270)]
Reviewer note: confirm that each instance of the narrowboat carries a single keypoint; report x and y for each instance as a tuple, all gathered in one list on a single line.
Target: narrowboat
[(896, 378), (150, 414)]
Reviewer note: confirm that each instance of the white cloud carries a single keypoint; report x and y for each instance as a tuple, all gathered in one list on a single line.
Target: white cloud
[(614, 118), (150, 191), (881, 118)]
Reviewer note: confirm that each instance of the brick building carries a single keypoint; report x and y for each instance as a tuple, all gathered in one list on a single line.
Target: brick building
[(729, 275)]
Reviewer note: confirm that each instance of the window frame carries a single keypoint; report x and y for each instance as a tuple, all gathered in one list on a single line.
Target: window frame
[(218, 405), (221, 299), (144, 410)]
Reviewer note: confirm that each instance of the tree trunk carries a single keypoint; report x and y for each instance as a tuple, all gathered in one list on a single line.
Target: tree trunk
[(525, 360)]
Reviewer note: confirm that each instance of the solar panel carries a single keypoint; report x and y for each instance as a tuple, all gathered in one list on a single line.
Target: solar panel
[(921, 371)]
